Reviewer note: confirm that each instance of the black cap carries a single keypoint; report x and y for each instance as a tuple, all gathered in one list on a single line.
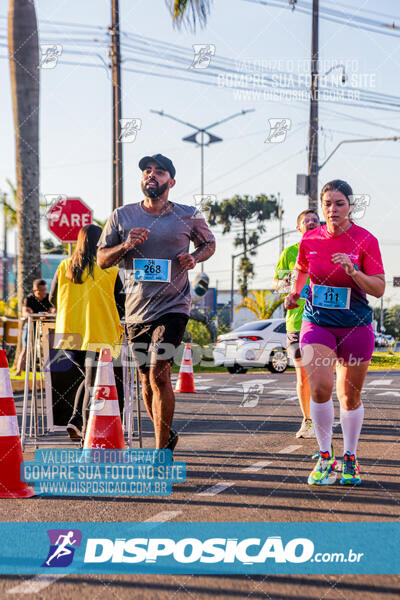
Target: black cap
[(164, 162)]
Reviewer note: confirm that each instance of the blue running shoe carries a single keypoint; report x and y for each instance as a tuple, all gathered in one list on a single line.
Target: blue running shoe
[(350, 470)]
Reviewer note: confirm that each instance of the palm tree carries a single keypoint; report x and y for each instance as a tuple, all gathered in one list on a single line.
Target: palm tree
[(24, 71), (189, 12), (260, 305)]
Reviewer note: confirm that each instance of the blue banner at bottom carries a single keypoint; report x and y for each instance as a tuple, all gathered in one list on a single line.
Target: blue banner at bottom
[(200, 548)]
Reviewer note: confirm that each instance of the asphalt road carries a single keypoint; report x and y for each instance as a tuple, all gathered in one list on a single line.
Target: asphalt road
[(243, 464)]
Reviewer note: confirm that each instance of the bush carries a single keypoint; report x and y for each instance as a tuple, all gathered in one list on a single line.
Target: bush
[(10, 308), (198, 332)]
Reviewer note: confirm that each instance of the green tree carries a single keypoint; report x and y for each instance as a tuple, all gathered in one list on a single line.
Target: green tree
[(10, 206), (245, 216), (391, 320), (49, 247), (261, 303)]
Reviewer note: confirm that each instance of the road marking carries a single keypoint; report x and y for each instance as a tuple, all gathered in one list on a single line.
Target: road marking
[(35, 585), (292, 398), (201, 388), (216, 489), (259, 381), (257, 466), (380, 382), (288, 449), (388, 394), (231, 389), (279, 392), (164, 515)]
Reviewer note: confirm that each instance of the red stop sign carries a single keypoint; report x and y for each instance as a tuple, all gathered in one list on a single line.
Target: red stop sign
[(66, 217)]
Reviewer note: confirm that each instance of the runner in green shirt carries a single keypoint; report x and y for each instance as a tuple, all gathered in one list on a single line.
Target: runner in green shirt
[(306, 220)]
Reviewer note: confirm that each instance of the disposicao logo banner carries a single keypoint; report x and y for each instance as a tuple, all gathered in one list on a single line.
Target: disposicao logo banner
[(207, 548)]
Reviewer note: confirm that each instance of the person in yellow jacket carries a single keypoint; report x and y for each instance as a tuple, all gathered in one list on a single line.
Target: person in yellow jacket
[(89, 304)]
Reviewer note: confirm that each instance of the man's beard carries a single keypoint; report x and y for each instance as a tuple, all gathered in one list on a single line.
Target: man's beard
[(154, 192)]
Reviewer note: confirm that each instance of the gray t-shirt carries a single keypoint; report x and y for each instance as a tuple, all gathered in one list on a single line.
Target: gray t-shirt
[(170, 234)]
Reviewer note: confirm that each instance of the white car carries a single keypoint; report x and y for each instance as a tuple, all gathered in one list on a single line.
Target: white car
[(255, 344)]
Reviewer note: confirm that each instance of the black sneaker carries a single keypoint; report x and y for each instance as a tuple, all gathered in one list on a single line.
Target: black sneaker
[(172, 440), (75, 434)]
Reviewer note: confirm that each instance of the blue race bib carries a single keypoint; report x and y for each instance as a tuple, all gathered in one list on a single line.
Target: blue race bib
[(324, 296), (152, 269)]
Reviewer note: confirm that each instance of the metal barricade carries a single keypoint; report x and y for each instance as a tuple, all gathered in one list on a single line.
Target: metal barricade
[(38, 402)]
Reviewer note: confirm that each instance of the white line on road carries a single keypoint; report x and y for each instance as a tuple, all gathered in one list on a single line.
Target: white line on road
[(217, 488), (257, 466), (164, 515), (288, 449), (35, 585), (380, 382), (389, 394)]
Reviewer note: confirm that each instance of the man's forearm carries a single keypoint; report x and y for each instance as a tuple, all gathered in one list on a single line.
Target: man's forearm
[(204, 251), (108, 257)]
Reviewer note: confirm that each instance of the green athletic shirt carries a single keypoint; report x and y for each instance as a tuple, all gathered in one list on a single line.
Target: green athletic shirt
[(286, 263)]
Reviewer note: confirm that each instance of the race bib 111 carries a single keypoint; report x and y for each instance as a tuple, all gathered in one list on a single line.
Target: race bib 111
[(324, 296)]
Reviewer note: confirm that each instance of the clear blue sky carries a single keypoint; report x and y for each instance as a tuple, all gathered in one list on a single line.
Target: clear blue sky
[(75, 123)]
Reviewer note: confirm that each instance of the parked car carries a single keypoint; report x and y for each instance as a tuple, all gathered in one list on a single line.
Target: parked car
[(382, 339), (255, 344)]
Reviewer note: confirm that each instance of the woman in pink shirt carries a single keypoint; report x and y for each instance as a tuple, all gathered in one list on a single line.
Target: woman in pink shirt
[(344, 263)]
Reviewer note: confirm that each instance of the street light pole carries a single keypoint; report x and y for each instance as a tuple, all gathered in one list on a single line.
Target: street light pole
[(394, 138), (193, 139), (201, 130)]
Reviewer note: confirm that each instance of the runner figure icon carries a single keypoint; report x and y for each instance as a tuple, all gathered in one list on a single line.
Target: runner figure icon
[(62, 542)]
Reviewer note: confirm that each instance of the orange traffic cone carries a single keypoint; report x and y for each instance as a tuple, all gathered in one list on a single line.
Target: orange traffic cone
[(104, 429), (11, 455), (185, 383)]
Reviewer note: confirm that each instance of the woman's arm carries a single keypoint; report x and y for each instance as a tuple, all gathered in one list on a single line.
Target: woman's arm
[(299, 279), (53, 290), (371, 284)]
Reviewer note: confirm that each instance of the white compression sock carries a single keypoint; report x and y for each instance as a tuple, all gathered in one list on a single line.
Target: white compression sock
[(351, 422), (322, 416)]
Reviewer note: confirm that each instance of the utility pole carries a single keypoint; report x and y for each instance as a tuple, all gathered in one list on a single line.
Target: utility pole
[(313, 127), (115, 53)]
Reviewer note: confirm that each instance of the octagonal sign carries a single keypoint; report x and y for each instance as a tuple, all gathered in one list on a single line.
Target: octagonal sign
[(67, 216)]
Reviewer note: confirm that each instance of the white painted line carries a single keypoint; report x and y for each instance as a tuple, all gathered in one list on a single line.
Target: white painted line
[(257, 466), (35, 585), (288, 449), (259, 381), (388, 394), (201, 388), (292, 398), (216, 489), (268, 392), (380, 382), (231, 389), (164, 515)]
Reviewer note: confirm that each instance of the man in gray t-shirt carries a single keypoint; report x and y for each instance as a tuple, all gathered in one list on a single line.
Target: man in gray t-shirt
[(151, 241)]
